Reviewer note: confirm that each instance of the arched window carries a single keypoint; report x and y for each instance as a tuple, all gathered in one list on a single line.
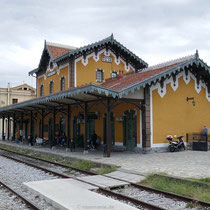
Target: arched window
[(42, 90), (99, 75), (62, 83), (51, 87)]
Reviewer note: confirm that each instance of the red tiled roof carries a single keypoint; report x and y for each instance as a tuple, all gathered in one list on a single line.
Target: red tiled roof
[(57, 51), (132, 79)]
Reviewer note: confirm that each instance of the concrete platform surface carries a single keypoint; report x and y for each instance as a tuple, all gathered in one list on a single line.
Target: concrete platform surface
[(127, 177), (65, 194), (103, 181), (193, 164)]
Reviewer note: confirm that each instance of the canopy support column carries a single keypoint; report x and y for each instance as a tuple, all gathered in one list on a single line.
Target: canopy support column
[(14, 127), (53, 146), (3, 137), (8, 127), (68, 127), (31, 124), (42, 134), (108, 130), (85, 124), (21, 127)]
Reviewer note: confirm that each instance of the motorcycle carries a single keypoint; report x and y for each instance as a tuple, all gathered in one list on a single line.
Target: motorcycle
[(175, 145)]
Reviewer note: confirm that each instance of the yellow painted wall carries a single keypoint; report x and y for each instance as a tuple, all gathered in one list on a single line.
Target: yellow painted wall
[(87, 74), (118, 112), (173, 115), (56, 78)]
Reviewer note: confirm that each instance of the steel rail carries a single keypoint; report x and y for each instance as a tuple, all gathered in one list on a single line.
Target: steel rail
[(139, 186), (25, 200), (48, 161), (101, 189)]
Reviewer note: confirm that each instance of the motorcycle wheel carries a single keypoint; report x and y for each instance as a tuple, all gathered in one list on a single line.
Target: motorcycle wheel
[(172, 149)]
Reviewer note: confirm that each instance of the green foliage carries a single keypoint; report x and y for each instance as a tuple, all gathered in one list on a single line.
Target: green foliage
[(83, 164), (206, 180), (106, 170), (190, 205), (192, 190)]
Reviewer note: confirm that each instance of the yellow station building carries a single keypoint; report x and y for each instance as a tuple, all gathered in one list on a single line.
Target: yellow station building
[(106, 88)]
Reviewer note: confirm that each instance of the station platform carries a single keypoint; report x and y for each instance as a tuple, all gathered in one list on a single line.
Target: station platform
[(136, 163), (126, 176), (103, 181), (73, 195)]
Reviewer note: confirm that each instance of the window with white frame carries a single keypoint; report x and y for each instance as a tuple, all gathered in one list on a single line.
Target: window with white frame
[(62, 83), (99, 75), (51, 87), (42, 90), (113, 74)]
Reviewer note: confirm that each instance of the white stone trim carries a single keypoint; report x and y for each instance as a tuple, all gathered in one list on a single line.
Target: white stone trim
[(118, 144), (96, 58), (40, 76), (139, 146), (159, 145), (162, 91), (62, 76)]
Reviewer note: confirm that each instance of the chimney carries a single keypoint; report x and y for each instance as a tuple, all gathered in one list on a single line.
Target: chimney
[(120, 75)]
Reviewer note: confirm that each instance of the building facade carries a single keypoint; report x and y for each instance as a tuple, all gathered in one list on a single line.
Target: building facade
[(104, 87), (14, 95)]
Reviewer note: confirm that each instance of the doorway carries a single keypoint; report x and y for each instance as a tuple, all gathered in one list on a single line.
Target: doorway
[(130, 130)]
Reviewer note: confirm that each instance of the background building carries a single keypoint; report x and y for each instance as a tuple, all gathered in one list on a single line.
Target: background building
[(13, 95)]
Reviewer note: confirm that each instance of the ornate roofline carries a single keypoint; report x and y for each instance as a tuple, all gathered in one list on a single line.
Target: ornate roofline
[(107, 40), (61, 95), (168, 63), (163, 74)]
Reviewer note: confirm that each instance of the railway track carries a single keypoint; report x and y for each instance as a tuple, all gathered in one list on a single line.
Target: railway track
[(27, 202), (113, 193)]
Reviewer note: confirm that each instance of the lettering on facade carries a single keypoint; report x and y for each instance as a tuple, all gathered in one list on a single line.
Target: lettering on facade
[(51, 73), (107, 59)]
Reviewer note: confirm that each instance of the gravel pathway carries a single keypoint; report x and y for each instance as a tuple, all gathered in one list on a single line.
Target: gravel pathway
[(153, 198), (53, 167), (14, 174), (10, 201)]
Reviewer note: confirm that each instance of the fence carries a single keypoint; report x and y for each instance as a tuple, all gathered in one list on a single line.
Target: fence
[(198, 142)]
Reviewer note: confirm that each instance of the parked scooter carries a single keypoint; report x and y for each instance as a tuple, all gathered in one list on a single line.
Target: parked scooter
[(175, 145)]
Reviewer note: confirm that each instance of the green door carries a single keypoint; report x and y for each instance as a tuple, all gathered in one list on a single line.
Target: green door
[(130, 130), (91, 127), (112, 129)]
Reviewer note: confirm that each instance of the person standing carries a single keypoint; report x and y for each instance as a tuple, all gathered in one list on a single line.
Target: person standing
[(205, 133), (94, 138)]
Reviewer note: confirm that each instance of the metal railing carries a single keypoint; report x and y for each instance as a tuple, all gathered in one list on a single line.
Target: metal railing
[(197, 141)]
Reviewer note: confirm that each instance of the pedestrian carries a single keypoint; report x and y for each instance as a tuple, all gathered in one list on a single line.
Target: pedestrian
[(94, 138), (205, 133)]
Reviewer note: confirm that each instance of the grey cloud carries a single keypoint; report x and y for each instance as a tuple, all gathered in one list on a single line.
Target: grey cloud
[(155, 30)]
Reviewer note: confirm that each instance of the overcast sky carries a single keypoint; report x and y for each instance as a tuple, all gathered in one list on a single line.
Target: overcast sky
[(155, 30)]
